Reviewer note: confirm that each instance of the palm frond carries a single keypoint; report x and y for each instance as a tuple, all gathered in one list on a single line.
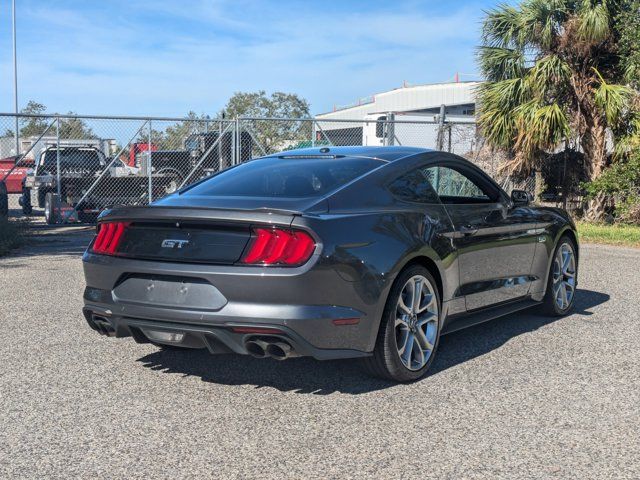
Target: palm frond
[(502, 26), (540, 127), (612, 99), (632, 74), (595, 21), (501, 63), (550, 73), (541, 20), (497, 101), (498, 127), (503, 95)]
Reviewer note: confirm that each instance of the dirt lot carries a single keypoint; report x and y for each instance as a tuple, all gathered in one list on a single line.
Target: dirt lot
[(520, 397)]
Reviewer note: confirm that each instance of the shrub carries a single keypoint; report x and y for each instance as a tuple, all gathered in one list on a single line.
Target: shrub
[(621, 184)]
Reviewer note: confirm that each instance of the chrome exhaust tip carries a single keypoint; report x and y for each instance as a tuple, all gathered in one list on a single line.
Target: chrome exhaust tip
[(256, 348), (279, 350)]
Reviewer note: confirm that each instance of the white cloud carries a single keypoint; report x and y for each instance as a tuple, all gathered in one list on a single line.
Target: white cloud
[(193, 57)]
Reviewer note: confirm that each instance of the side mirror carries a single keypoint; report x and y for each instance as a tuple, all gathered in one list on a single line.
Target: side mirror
[(521, 198)]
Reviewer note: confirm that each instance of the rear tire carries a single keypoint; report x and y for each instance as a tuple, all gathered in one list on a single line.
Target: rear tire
[(562, 282), (409, 334), (42, 194), (4, 200), (51, 208), (25, 201)]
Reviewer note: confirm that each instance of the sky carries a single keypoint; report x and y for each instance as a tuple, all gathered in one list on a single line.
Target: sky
[(169, 57)]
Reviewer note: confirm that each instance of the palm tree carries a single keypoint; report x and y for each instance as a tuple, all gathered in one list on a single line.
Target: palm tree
[(554, 79)]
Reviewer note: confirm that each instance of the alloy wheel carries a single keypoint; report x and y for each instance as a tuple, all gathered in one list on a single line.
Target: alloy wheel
[(416, 322), (564, 276)]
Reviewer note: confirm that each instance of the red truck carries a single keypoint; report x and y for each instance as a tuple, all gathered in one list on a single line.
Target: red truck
[(137, 148), (12, 180)]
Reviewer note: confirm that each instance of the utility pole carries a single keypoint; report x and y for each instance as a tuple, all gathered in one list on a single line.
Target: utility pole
[(15, 74)]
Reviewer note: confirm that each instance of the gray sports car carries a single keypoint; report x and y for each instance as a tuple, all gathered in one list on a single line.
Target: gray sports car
[(337, 252)]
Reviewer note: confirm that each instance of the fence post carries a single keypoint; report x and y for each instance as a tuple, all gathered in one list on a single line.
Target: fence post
[(220, 162), (58, 186), (234, 142), (440, 142), (149, 163), (239, 145), (391, 129), (313, 132)]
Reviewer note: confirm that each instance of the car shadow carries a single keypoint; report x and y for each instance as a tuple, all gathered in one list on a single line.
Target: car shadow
[(309, 376)]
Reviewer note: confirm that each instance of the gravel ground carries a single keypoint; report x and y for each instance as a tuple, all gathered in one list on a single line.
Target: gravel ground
[(520, 397)]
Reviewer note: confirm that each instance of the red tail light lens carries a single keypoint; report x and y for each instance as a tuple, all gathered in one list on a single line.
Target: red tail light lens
[(274, 246), (109, 237)]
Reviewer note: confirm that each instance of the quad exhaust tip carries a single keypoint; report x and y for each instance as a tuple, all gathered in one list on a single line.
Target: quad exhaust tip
[(263, 349), (256, 348), (279, 350)]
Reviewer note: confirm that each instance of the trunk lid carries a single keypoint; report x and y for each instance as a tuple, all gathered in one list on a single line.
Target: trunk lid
[(217, 243), (190, 234)]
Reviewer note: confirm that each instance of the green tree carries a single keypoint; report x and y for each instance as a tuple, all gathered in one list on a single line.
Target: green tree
[(171, 137), (554, 78), (628, 28), (75, 128), (271, 135), (33, 126), (175, 134), (258, 104), (70, 126), (158, 138), (620, 183)]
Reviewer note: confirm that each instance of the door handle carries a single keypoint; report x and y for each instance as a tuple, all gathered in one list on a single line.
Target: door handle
[(468, 230)]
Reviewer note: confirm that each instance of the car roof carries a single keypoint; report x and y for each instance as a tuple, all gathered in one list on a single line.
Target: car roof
[(388, 154)]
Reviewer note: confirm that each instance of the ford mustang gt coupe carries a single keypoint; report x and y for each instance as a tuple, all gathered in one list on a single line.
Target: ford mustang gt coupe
[(334, 252)]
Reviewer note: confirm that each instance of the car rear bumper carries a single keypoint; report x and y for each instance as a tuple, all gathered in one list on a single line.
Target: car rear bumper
[(318, 312), (217, 339)]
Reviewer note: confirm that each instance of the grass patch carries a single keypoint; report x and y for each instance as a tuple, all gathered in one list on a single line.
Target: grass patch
[(12, 234), (627, 235)]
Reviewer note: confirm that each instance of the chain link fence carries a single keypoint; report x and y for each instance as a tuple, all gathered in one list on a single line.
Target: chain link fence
[(74, 166)]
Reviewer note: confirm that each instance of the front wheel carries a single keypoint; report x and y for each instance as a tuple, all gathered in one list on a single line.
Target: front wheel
[(562, 282), (410, 328), (51, 208), (25, 201)]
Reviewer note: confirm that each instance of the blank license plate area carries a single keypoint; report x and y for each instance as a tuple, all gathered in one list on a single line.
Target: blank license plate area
[(173, 292)]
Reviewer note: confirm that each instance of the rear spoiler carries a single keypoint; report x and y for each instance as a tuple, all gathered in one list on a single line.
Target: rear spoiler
[(199, 214)]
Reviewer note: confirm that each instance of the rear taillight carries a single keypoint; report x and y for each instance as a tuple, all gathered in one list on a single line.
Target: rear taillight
[(109, 237), (274, 246)]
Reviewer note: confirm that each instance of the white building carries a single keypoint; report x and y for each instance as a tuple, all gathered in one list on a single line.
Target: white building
[(408, 116), (459, 98)]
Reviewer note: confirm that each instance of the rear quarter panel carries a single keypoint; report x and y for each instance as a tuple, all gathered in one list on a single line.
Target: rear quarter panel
[(553, 223), (369, 236)]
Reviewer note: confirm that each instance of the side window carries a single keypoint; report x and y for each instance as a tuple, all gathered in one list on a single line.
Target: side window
[(453, 186), (413, 186)]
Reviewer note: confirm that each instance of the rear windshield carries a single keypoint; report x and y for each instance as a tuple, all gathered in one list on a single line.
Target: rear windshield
[(73, 158), (292, 177)]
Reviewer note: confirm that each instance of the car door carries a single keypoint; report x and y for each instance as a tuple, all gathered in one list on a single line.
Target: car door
[(495, 241)]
